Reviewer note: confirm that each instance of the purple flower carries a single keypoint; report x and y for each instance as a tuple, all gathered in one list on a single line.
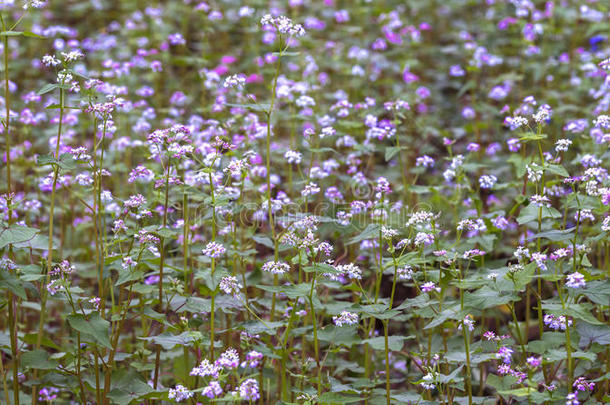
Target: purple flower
[(248, 390), (345, 318), (575, 280), (505, 353)]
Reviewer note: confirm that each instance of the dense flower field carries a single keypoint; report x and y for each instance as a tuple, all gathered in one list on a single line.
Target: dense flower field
[(305, 202)]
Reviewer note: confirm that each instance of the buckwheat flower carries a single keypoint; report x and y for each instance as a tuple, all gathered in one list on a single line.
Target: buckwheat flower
[(489, 335), (473, 147), (54, 286), (141, 174), (487, 181), (468, 321), (469, 254), (575, 280), (276, 267), (180, 393), (522, 253), (466, 224), (212, 390), (504, 369), (345, 318), (293, 157), (95, 302), (235, 81), (515, 122), (425, 161), (534, 362), (582, 215), (310, 189), (135, 201), (534, 172), (230, 285), (505, 353), (427, 382), (253, 359), (228, 359), (383, 185), (248, 390), (581, 384), (492, 276), (602, 121), (404, 273), (176, 39), (128, 263), (429, 286), (540, 200), (543, 114), (551, 387), (539, 258), (83, 179), (556, 322), (562, 145), (145, 237), (351, 270), (49, 60), (422, 238), (72, 55), (420, 218), (119, 226), (33, 4), (214, 250), (48, 394), (456, 71), (572, 399), (205, 369), (513, 144), (388, 233)]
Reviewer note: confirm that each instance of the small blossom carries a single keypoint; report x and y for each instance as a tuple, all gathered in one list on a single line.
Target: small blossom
[(230, 285), (214, 250), (180, 393), (345, 318), (575, 280)]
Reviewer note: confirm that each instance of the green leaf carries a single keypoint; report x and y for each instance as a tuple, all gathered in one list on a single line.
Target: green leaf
[(578, 311), (169, 341), (371, 231), (395, 343), (253, 107), (27, 34), (530, 213), (592, 334), (38, 359), (128, 387), (48, 88), (11, 33), (518, 392), (32, 339), (531, 136), (598, 292), (95, 326), (336, 398), (392, 151), (340, 335), (555, 235), (16, 234), (286, 53), (557, 169)]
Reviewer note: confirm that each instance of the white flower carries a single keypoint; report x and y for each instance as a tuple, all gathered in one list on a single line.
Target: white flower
[(235, 81), (345, 318)]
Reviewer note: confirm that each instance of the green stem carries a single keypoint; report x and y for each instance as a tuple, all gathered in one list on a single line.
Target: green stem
[(161, 266)]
